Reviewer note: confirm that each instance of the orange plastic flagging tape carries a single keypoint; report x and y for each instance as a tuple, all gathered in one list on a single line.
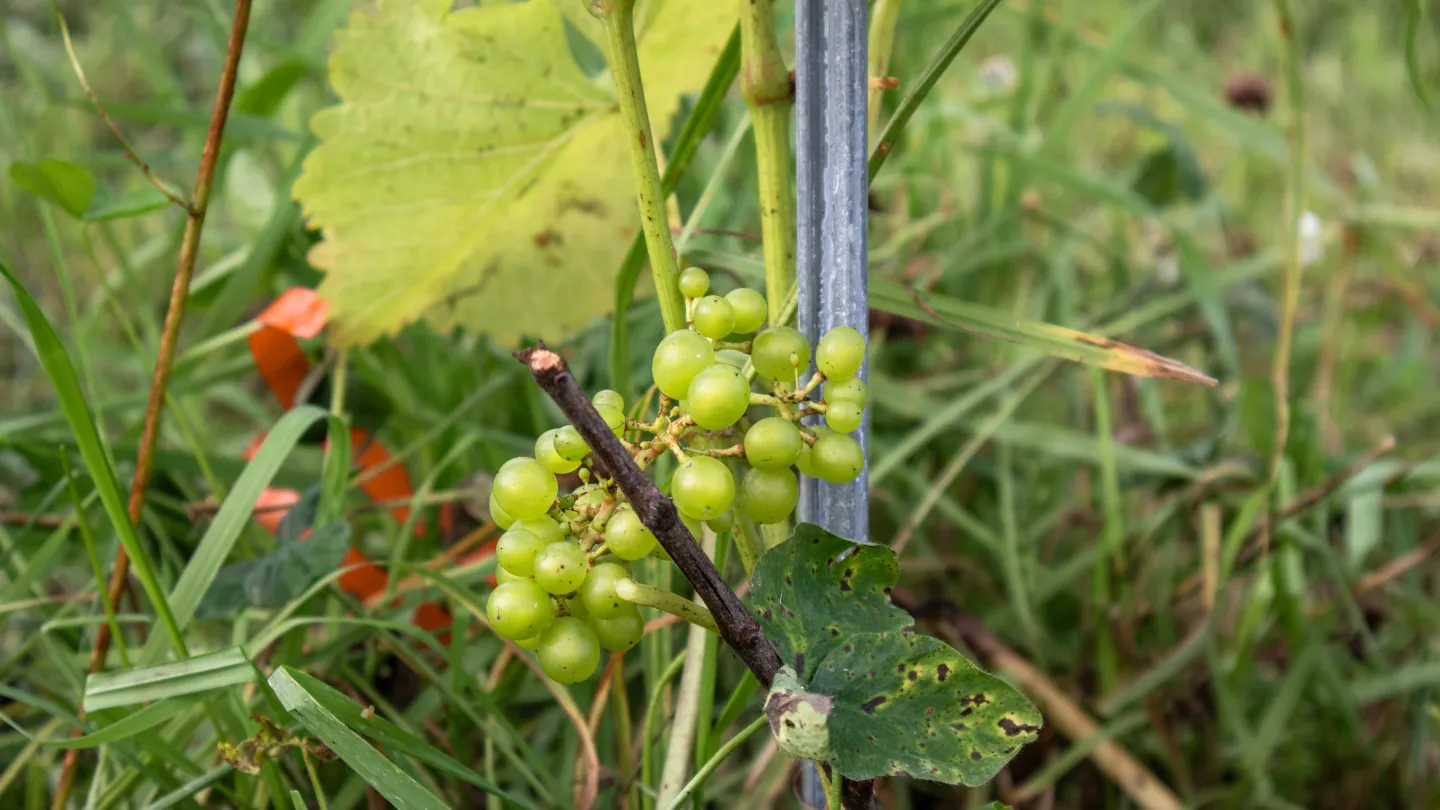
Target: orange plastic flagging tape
[(298, 314)]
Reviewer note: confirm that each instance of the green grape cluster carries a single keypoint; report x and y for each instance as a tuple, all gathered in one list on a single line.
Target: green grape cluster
[(562, 554)]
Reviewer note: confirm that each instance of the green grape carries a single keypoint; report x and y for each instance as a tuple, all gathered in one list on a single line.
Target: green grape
[(719, 396), (692, 525), (780, 353), (837, 458), (713, 317), (840, 353), (545, 528), (517, 549), (773, 442), (660, 553), (608, 397), (614, 418), (560, 567), (852, 390), (678, 358), (528, 643), (732, 357), (569, 445), (843, 416), (622, 632), (749, 306), (576, 608), (598, 593), (694, 282), (769, 496), (500, 516), (724, 523), (805, 461), (593, 498), (524, 488), (502, 576), (569, 650), (519, 608), (546, 454), (702, 487), (626, 537)]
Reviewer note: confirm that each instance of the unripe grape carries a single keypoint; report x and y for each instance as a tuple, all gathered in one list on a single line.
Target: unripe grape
[(702, 487), (840, 353), (569, 650), (852, 390), (772, 442), (545, 528), (780, 353), (843, 416), (598, 592), (837, 458), (524, 488), (694, 282), (719, 396), (713, 317), (724, 523), (614, 418), (805, 462), (500, 516), (732, 357), (626, 537), (528, 643), (692, 525), (575, 607), (569, 445), (517, 549), (560, 568), (502, 576), (678, 358), (769, 496), (608, 397), (621, 632), (519, 608), (749, 306), (546, 454)]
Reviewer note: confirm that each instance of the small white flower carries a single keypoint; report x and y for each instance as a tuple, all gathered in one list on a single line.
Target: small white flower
[(998, 74), (1312, 243)]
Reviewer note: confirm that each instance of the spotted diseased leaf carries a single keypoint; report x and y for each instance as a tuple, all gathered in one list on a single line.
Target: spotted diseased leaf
[(817, 588), (473, 175), (859, 687)]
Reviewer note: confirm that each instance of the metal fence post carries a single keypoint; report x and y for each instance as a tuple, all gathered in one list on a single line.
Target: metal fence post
[(831, 213)]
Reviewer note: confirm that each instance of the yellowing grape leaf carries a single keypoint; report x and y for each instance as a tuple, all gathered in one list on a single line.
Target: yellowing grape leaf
[(472, 175)]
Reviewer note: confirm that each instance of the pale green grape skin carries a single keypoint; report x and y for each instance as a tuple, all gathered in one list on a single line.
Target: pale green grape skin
[(608, 397), (560, 567), (678, 358), (569, 650), (500, 516), (780, 353), (837, 458), (627, 537), (614, 418), (732, 357), (719, 396), (519, 608), (528, 643), (852, 390), (575, 607), (843, 416), (545, 528), (750, 309), (724, 523), (702, 487), (694, 282), (840, 353), (598, 592), (502, 576), (773, 442), (713, 317), (692, 525), (769, 496), (660, 553), (805, 461), (524, 488), (569, 445), (546, 454), (517, 549), (620, 633)]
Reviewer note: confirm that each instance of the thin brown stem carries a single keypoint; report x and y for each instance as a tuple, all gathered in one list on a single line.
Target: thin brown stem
[(179, 292)]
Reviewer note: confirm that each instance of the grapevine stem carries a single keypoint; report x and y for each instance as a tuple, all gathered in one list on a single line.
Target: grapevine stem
[(765, 86), (646, 596), (619, 19)]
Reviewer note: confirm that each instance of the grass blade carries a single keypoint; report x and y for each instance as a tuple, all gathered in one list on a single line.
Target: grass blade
[(228, 667), (143, 720), (82, 425)]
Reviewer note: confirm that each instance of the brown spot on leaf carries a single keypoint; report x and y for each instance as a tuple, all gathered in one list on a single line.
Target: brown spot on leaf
[(959, 727), (975, 755), (942, 672), (914, 675), (1013, 729), (800, 663), (768, 615), (548, 237), (872, 704)]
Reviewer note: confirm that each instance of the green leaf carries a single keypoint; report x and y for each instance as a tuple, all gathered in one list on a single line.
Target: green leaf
[(372, 766), (807, 598), (229, 667), (285, 574), (435, 154), (143, 720), (139, 202), (862, 690), (67, 186)]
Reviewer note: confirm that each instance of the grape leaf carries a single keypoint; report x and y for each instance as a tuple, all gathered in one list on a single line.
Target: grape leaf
[(859, 687), (473, 175)]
